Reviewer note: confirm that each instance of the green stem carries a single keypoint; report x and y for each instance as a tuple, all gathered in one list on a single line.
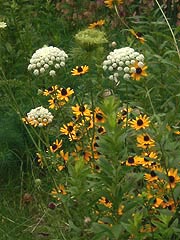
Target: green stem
[(122, 21), (166, 170), (150, 101), (169, 26)]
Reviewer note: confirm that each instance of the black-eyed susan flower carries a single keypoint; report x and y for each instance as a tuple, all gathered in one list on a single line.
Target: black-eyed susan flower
[(173, 178), (58, 190), (120, 210), (39, 158), (65, 156), (69, 129), (80, 70), (137, 35), (111, 3), (148, 228), (55, 146), (64, 94), (50, 90), (123, 113), (138, 70), (99, 116), (157, 202), (97, 24), (60, 167), (177, 132), (169, 204), (149, 159), (150, 177), (132, 161), (140, 122), (81, 110), (101, 130), (104, 201), (54, 103), (145, 141)]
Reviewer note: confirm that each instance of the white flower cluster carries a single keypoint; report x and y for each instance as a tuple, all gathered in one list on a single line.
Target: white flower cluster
[(3, 25), (47, 59), (120, 63), (39, 116)]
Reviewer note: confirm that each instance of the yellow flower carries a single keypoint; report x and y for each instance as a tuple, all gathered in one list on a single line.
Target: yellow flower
[(97, 24), (140, 122), (138, 71), (68, 129), (55, 146), (177, 132), (79, 70), (120, 210), (152, 176), (60, 167), (149, 159), (64, 93), (99, 116), (39, 159), (173, 178), (50, 90), (111, 3), (81, 110), (58, 190), (132, 161), (145, 141), (157, 202), (104, 201), (65, 156), (54, 103), (137, 35)]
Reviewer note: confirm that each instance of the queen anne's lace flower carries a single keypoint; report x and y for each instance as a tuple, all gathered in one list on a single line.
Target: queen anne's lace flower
[(3, 25), (120, 62), (39, 116), (47, 60)]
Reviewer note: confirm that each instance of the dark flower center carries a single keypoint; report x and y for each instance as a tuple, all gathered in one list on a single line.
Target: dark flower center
[(78, 133), (54, 146), (131, 160), (99, 116), (171, 179), (70, 128), (55, 101), (82, 109), (124, 112), (106, 200), (138, 70), (96, 145), (153, 174), (153, 164), (170, 207), (79, 69), (50, 89), (139, 122), (146, 138), (100, 129), (96, 167), (63, 91), (139, 34), (146, 159)]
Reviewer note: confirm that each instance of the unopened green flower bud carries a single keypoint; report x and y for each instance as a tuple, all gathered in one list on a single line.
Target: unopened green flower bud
[(90, 38), (38, 182)]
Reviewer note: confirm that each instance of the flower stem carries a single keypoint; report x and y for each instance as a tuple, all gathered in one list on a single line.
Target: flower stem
[(170, 28)]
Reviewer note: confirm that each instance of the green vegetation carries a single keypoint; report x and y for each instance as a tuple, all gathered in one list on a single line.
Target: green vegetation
[(90, 120)]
